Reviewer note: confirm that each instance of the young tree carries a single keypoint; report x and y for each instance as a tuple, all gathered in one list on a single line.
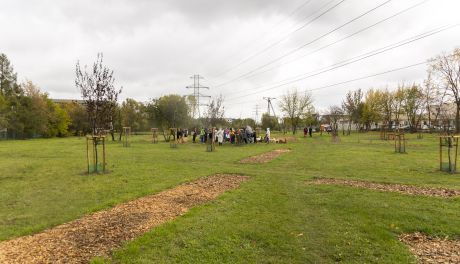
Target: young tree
[(99, 93), (386, 106), (295, 105), (398, 104), (446, 67), (215, 112), (371, 109), (352, 106), (413, 106), (335, 113)]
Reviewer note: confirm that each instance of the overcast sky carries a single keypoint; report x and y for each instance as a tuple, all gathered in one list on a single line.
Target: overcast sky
[(155, 46)]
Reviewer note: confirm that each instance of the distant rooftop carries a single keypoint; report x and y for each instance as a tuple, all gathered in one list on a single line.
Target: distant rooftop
[(65, 101)]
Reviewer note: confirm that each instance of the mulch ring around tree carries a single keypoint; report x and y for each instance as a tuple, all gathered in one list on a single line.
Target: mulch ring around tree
[(390, 187), (265, 157), (99, 233), (432, 249)]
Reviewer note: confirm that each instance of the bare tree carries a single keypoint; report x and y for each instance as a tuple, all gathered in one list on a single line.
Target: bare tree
[(335, 114), (446, 67), (98, 92), (434, 99), (295, 105)]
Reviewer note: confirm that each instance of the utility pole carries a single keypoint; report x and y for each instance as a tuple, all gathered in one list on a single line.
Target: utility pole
[(270, 105), (197, 94)]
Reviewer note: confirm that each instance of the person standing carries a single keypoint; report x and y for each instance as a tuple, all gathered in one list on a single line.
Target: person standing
[(220, 136), (194, 135), (202, 135), (267, 135), (310, 131), (305, 131)]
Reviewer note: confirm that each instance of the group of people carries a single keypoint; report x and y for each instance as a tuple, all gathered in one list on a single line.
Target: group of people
[(307, 130), (231, 135)]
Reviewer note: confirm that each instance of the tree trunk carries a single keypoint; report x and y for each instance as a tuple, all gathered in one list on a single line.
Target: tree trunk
[(121, 134)]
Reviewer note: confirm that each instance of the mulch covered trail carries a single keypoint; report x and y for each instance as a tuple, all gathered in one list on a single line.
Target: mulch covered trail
[(390, 187), (265, 157), (97, 234), (432, 250)]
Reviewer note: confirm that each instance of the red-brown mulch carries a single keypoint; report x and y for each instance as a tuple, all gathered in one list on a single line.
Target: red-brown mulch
[(97, 234), (432, 249), (265, 157), (390, 187)]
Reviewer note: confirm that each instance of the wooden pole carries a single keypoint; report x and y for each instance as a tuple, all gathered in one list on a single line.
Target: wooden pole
[(456, 152), (103, 154), (94, 142), (440, 153), (87, 154)]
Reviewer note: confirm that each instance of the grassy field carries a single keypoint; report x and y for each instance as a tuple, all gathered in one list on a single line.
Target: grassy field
[(274, 217)]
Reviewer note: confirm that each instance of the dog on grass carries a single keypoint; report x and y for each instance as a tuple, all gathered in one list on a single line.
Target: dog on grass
[(282, 141)]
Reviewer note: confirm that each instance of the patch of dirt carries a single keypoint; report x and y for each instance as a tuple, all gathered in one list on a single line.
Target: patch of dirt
[(289, 138), (97, 234), (265, 157), (390, 187), (431, 249)]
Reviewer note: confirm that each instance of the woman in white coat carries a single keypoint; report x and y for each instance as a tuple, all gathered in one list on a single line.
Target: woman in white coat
[(267, 135), (220, 136)]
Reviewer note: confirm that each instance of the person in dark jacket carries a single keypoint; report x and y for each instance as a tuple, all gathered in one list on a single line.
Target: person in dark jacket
[(194, 135)]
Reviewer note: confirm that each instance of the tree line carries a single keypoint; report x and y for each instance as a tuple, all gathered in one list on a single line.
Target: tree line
[(432, 105), (27, 112)]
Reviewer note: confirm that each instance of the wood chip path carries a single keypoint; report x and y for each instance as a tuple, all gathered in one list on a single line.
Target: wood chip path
[(265, 157), (390, 187), (432, 250), (97, 234)]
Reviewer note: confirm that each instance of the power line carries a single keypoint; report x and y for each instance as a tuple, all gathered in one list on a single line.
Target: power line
[(356, 79), (251, 74), (353, 59), (275, 25), (284, 37), (369, 76), (308, 43)]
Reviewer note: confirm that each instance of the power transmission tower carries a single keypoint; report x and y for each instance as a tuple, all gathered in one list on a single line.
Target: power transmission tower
[(197, 94), (270, 105), (256, 113)]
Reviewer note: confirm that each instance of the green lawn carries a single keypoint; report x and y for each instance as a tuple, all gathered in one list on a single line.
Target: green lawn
[(274, 217)]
